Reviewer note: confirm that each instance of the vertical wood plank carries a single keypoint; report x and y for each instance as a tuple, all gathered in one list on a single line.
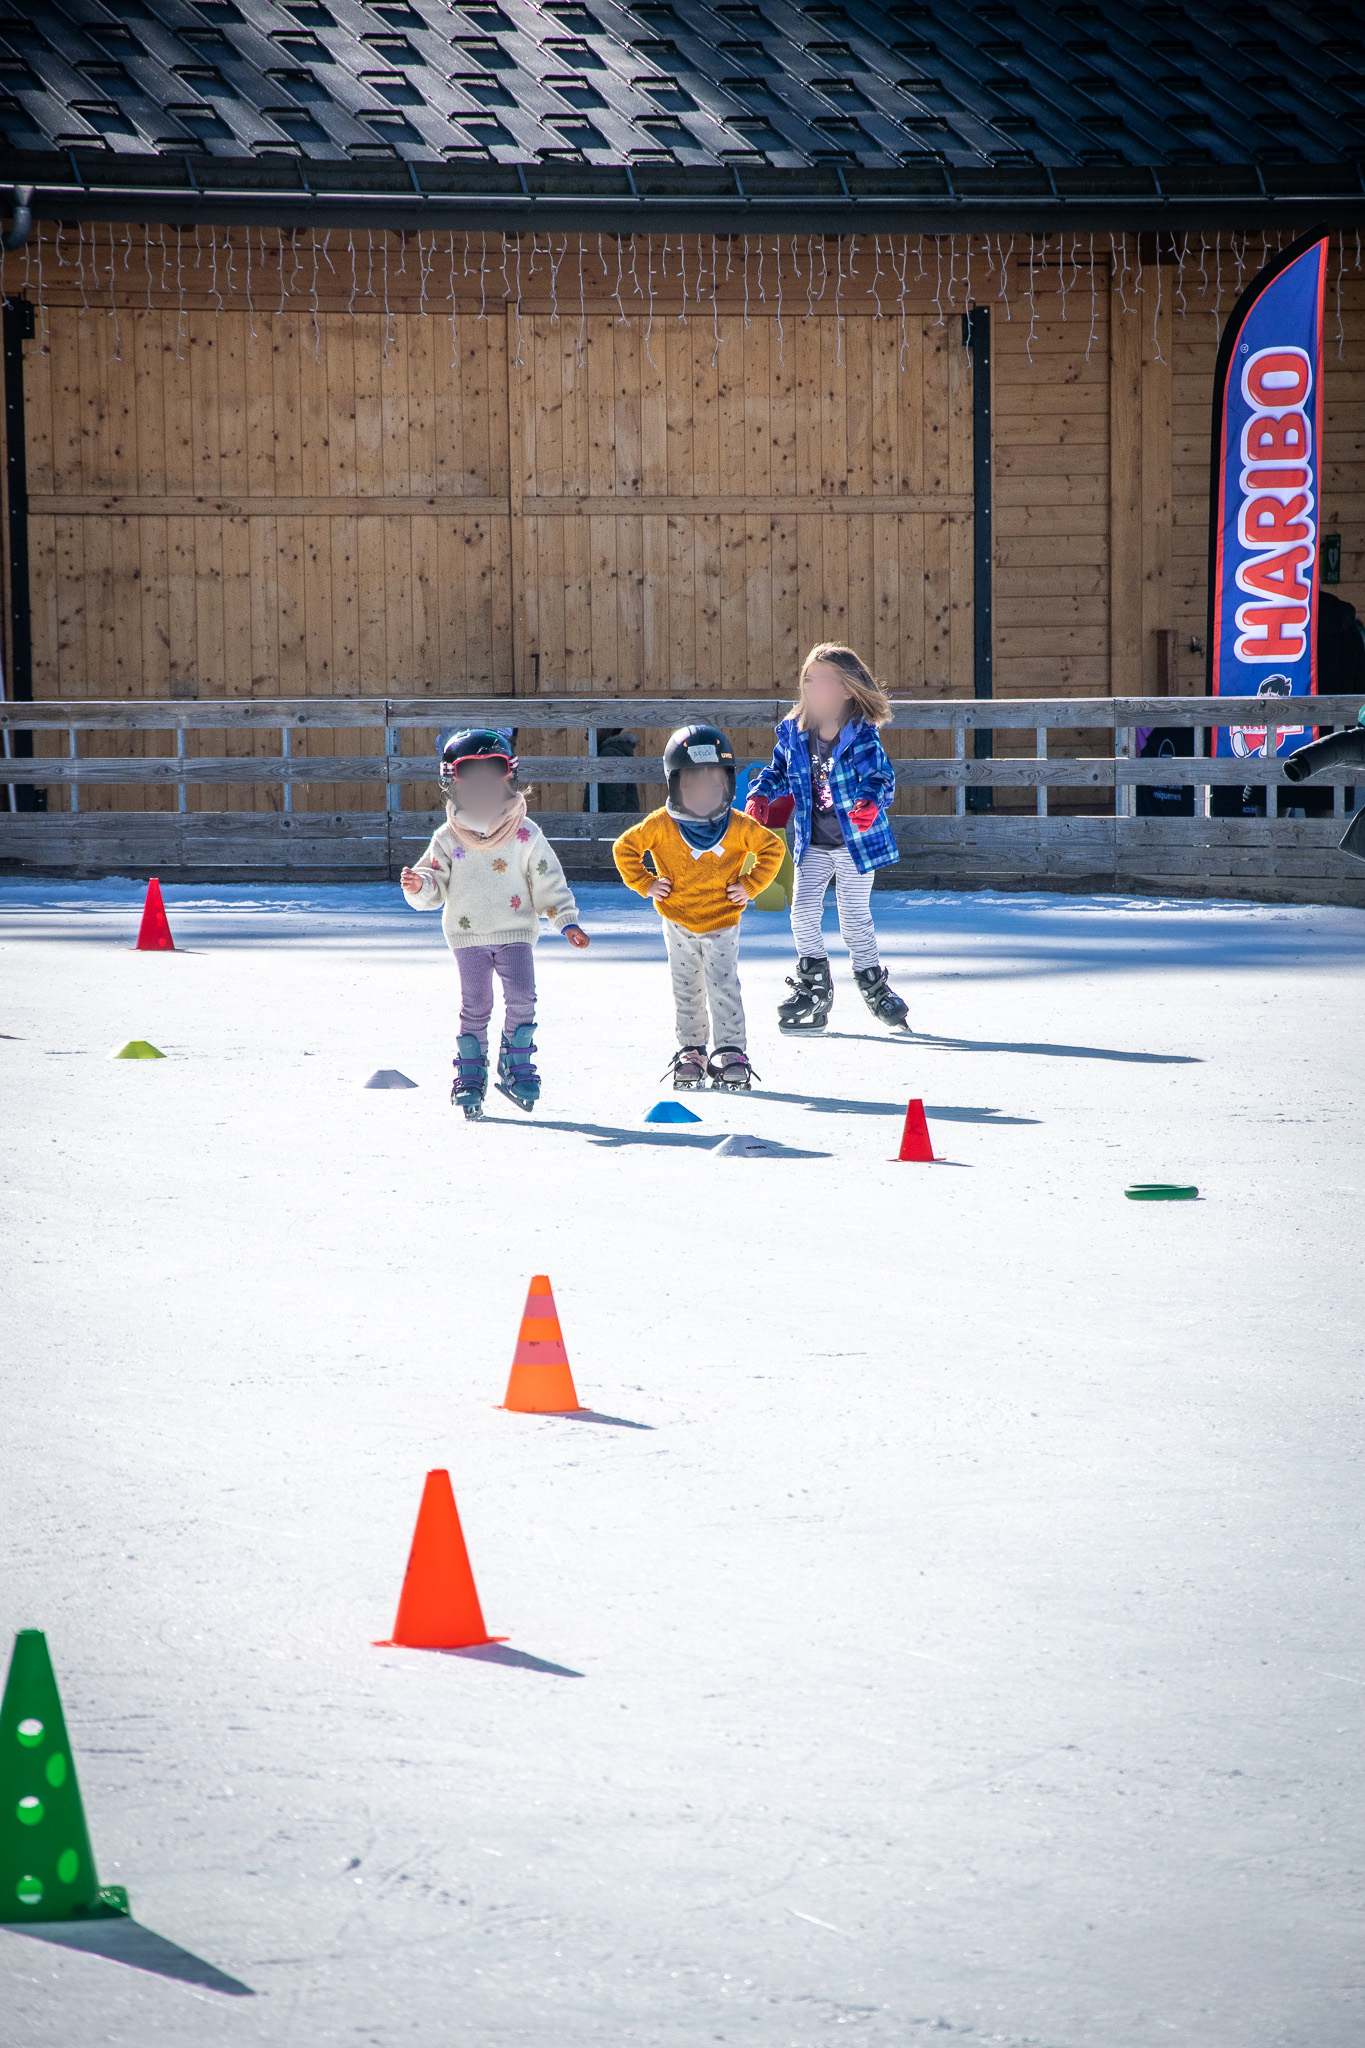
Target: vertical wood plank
[(1156, 470), (1125, 499), (521, 637)]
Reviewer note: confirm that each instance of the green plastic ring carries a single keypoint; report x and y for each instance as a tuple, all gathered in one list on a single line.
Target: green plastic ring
[(1160, 1191)]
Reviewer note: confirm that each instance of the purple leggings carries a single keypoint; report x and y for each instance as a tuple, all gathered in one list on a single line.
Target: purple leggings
[(515, 969)]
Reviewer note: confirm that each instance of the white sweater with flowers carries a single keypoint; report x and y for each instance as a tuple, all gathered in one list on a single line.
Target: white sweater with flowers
[(494, 893)]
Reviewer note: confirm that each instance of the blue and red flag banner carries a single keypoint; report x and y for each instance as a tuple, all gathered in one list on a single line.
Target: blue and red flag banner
[(1264, 495)]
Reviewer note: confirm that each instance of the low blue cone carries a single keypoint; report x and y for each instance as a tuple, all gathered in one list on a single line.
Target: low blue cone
[(671, 1113)]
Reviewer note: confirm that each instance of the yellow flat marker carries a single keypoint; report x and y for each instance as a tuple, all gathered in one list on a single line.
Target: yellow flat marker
[(137, 1049)]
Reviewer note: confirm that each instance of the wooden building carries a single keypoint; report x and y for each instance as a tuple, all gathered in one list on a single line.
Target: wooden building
[(388, 351)]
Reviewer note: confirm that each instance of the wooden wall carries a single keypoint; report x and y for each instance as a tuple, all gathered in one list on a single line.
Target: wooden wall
[(378, 464)]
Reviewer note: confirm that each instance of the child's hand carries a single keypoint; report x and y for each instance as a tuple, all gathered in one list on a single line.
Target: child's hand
[(659, 888), (863, 815), (411, 881), (737, 893), (576, 935)]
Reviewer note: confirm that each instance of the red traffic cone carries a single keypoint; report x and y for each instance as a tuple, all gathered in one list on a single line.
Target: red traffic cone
[(915, 1137), (438, 1608), (154, 934)]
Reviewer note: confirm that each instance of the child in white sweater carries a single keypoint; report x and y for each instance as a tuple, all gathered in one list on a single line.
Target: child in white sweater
[(495, 874)]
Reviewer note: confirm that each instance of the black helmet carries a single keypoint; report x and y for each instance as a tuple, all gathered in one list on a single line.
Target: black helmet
[(697, 746), (478, 743)]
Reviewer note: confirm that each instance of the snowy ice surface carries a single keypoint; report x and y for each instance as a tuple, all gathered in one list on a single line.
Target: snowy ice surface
[(947, 1626)]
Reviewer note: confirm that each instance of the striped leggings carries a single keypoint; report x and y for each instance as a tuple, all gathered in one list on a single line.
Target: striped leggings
[(853, 896)]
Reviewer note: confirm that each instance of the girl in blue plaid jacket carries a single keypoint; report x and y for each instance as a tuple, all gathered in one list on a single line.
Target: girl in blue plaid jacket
[(831, 777)]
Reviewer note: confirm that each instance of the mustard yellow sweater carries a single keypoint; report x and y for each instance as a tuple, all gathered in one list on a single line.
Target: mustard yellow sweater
[(698, 901)]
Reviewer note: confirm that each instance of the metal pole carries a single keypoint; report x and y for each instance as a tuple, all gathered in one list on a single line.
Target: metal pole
[(976, 332)]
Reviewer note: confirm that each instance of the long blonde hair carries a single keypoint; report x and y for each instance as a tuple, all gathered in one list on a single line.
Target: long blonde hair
[(867, 696)]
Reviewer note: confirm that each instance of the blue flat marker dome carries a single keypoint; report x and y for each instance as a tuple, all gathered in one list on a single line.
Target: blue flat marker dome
[(671, 1113)]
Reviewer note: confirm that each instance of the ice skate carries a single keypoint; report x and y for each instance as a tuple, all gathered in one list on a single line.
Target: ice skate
[(885, 1005), (808, 1006), (470, 1085), (729, 1068), (688, 1068), (517, 1077)]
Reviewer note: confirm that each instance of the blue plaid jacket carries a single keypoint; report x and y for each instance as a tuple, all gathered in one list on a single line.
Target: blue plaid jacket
[(860, 768)]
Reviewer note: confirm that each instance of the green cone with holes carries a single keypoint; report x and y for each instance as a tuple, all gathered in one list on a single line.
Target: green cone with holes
[(46, 1869)]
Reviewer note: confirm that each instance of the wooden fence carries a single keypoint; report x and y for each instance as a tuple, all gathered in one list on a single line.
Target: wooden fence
[(1277, 857)]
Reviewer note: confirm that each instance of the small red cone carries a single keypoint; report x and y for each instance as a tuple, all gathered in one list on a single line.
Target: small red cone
[(154, 934), (438, 1608), (915, 1137)]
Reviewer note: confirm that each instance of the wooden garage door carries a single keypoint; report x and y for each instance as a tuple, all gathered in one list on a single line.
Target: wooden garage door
[(694, 505)]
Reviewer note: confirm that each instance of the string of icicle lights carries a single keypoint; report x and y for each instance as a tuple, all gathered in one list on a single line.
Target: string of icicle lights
[(788, 277)]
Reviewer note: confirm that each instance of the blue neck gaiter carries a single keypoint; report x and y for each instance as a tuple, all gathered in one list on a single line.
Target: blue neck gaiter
[(702, 834)]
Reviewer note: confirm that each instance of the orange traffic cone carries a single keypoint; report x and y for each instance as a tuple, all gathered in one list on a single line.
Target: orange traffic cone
[(541, 1383), (915, 1137), (438, 1608), (154, 933)]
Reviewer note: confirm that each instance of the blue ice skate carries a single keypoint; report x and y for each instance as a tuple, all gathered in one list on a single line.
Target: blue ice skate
[(470, 1085), (517, 1078)]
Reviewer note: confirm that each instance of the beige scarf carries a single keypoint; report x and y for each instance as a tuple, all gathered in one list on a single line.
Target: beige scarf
[(475, 842)]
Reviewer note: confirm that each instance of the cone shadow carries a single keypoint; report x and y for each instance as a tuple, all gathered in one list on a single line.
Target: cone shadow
[(612, 1421), (514, 1660), (128, 1942), (577, 1415)]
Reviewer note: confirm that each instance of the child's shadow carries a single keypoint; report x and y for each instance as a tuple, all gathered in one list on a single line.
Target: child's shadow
[(611, 1136)]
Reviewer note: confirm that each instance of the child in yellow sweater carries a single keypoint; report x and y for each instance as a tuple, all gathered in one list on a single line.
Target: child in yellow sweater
[(708, 863)]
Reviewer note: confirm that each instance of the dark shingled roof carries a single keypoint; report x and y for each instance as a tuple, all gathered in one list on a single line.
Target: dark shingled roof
[(504, 112)]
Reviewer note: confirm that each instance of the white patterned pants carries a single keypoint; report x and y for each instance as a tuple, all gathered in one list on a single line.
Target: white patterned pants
[(705, 969), (852, 894)]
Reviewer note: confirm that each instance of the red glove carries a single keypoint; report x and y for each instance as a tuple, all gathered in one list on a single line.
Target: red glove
[(774, 812), (863, 815)]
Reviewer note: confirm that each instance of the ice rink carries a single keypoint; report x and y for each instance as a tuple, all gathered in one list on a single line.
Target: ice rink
[(947, 1624)]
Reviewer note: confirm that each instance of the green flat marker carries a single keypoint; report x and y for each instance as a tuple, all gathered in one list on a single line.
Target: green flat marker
[(1160, 1191), (137, 1049)]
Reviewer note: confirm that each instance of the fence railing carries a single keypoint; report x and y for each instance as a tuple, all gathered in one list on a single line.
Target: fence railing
[(1276, 854)]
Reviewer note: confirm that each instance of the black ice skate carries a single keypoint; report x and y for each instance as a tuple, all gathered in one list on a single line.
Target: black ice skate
[(470, 1085), (729, 1068), (689, 1067), (517, 1078), (812, 997), (885, 1005)]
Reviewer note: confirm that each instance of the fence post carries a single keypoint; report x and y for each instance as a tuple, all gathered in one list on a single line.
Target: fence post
[(75, 786), (182, 787), (592, 756), (1042, 786), (393, 792), (287, 754), (960, 751), (1125, 749)]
